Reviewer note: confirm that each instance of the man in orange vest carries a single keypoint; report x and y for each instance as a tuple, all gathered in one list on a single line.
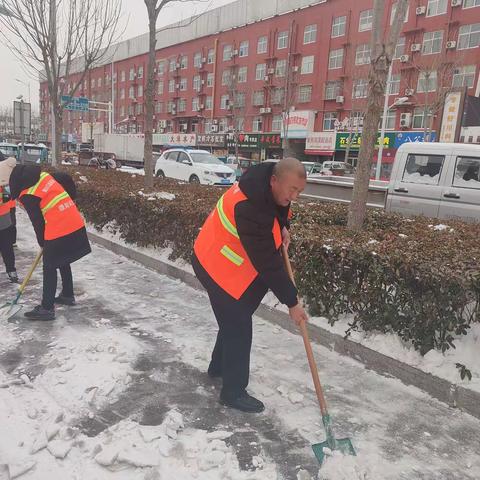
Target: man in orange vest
[(58, 225), (237, 259)]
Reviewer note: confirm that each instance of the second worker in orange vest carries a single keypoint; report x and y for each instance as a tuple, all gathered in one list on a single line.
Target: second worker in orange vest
[(58, 225), (237, 259)]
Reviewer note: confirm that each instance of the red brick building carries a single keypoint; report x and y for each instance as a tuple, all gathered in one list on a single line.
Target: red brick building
[(312, 58)]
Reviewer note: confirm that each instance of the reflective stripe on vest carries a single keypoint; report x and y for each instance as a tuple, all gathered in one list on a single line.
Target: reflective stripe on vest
[(54, 201), (220, 251)]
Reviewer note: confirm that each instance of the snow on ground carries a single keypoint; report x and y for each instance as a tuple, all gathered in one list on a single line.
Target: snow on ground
[(132, 170), (116, 389), (442, 365)]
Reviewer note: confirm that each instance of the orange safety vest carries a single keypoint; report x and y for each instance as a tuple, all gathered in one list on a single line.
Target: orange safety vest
[(220, 251), (58, 209), (7, 206)]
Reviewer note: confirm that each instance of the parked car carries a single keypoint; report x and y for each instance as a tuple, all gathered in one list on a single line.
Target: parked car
[(436, 180), (194, 166), (245, 164), (337, 168)]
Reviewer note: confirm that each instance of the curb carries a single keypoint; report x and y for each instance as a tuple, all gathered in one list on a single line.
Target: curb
[(452, 394)]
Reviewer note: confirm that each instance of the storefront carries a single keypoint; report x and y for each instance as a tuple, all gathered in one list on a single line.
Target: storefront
[(320, 146), (213, 142), (258, 146), (164, 141)]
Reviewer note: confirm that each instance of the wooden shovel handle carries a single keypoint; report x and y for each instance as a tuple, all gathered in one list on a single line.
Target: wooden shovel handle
[(30, 272), (308, 347)]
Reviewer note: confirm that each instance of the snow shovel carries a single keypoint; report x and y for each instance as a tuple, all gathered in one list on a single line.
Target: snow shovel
[(344, 445), (9, 309)]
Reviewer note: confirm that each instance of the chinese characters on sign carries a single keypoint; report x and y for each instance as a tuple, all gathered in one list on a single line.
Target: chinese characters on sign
[(211, 140), (183, 139), (255, 140), (356, 141), (321, 142), (450, 118), (298, 124)]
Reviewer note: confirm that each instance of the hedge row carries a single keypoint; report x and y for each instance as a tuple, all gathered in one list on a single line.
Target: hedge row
[(414, 277)]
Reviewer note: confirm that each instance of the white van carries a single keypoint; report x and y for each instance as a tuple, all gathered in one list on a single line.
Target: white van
[(436, 180)]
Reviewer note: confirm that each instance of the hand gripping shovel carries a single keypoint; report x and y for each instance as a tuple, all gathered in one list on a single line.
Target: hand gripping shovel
[(9, 309), (344, 445)]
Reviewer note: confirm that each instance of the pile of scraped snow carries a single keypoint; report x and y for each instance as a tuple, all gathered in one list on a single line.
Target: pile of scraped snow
[(337, 466)]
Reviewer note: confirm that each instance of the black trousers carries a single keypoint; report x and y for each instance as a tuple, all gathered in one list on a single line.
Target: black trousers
[(50, 284), (8, 256), (231, 353)]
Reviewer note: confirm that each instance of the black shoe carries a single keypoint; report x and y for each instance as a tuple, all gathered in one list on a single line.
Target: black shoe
[(13, 277), (64, 300), (244, 402), (40, 313)]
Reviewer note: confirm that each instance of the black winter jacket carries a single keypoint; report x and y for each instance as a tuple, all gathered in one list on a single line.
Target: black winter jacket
[(63, 250)]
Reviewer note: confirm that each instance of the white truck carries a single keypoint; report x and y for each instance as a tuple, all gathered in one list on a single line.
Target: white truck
[(439, 180), (125, 149)]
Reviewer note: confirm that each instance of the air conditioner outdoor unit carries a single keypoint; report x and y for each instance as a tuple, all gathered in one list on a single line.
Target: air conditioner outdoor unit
[(162, 123), (409, 92), (214, 128), (271, 71), (215, 122), (295, 68), (340, 99), (416, 47), (451, 44), (404, 58), (161, 130), (267, 110), (262, 110), (266, 78), (421, 10), (456, 3), (405, 120)]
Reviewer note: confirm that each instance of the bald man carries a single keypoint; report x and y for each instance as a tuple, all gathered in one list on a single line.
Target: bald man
[(237, 259)]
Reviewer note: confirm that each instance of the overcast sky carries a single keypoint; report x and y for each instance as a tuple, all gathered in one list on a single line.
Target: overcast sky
[(134, 15)]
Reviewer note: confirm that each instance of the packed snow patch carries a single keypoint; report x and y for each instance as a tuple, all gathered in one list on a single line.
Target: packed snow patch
[(337, 466)]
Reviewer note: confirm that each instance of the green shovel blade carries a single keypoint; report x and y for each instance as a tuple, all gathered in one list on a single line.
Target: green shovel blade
[(344, 445), (9, 310)]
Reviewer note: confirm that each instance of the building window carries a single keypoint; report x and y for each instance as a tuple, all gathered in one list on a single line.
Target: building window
[(258, 98), (158, 107), (310, 34), (400, 48), (390, 120), (182, 105), (436, 7), (394, 11), (131, 92), (277, 121), (243, 49), (211, 56), (338, 26), (122, 93), (280, 68), (226, 75), (122, 111), (257, 125), (464, 76), (307, 64), (140, 91), (132, 74), (183, 62), (224, 102), (278, 95), (240, 124), (170, 106), (122, 76), (197, 60), (140, 72), (260, 71), (171, 86), (332, 90), (432, 42), (161, 67), (335, 59), (394, 85), (366, 20), (227, 53), (242, 74), (195, 104), (360, 88), (282, 40), (210, 78), (172, 65), (196, 83), (329, 119), (139, 109), (92, 83), (131, 110), (362, 55), (100, 82), (209, 103), (304, 93), (262, 45), (240, 99), (471, 3), (469, 36), (420, 114), (114, 77), (427, 81)]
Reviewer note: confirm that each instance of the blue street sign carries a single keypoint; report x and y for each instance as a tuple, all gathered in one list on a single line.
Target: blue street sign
[(76, 104)]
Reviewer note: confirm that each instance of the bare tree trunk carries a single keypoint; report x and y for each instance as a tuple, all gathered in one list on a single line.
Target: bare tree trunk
[(149, 95), (382, 54)]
